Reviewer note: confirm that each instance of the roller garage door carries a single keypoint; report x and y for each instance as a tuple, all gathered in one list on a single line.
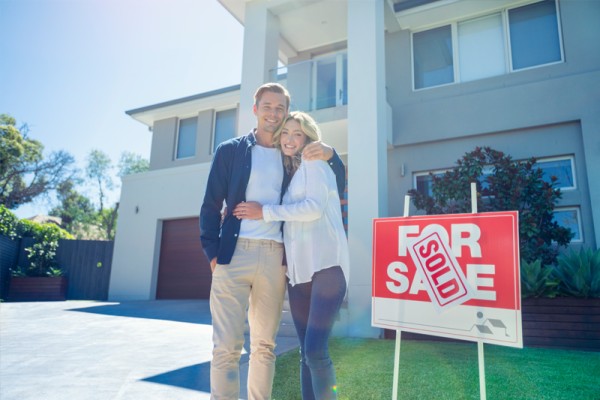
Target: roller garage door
[(183, 271)]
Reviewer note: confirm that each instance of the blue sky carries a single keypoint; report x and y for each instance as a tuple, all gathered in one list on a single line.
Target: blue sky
[(71, 68)]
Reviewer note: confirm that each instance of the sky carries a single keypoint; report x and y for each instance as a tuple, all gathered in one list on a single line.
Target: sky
[(70, 69)]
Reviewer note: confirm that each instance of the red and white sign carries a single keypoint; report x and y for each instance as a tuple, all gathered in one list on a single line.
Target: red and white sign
[(454, 275)]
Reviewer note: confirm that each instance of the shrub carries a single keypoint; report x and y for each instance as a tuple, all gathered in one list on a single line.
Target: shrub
[(42, 253), (537, 281), (8, 222), (579, 273), (511, 186)]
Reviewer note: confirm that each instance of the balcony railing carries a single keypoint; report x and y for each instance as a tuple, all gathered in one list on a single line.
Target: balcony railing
[(316, 84)]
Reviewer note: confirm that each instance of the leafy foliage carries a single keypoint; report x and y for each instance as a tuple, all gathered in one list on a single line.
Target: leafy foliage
[(537, 281), (579, 273), (24, 172), (76, 211), (9, 223), (512, 185), (131, 163), (42, 253)]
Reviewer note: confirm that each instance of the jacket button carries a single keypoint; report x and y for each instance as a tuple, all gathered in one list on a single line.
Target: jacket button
[(235, 235)]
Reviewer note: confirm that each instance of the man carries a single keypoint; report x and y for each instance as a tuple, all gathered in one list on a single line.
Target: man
[(246, 255)]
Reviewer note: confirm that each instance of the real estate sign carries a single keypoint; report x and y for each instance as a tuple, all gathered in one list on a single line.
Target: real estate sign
[(454, 275)]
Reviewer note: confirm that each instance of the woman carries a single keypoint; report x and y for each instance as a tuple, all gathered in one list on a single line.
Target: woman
[(316, 251)]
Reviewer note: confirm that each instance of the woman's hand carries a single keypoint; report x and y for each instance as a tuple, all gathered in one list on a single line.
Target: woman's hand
[(248, 210)]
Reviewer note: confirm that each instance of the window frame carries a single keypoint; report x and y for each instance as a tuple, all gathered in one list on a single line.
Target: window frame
[(213, 137), (577, 216), (177, 137), (337, 58), (571, 159), (507, 44)]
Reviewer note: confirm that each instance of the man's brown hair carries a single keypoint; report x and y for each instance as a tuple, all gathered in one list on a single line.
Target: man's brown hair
[(272, 87)]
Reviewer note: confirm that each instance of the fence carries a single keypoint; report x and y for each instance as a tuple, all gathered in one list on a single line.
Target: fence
[(86, 262)]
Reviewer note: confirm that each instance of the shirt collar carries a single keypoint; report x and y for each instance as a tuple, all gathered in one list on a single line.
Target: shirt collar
[(252, 137)]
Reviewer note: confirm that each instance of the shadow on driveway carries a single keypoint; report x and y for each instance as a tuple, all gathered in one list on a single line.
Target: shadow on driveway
[(191, 311)]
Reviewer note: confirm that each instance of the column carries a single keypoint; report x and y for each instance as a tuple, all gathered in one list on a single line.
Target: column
[(367, 152)]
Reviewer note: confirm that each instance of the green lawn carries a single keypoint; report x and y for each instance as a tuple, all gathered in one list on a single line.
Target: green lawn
[(449, 370)]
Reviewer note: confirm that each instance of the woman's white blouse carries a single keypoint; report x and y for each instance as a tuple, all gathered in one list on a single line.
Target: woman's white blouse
[(313, 232)]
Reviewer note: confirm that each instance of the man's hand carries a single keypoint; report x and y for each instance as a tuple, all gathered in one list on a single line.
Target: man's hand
[(248, 210), (213, 265), (317, 151)]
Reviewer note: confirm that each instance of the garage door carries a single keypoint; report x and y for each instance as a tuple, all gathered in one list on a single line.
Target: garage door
[(183, 271)]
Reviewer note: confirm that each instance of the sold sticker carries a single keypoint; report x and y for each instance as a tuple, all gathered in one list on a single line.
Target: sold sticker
[(439, 270)]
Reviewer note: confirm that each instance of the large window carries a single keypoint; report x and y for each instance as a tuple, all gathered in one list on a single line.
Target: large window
[(491, 45), (433, 60), (534, 35), (225, 126), (560, 168), (186, 138)]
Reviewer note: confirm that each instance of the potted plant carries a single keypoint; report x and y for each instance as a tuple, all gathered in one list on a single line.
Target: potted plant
[(42, 279)]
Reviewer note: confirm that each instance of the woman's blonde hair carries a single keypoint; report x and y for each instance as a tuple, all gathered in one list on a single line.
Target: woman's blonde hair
[(309, 128)]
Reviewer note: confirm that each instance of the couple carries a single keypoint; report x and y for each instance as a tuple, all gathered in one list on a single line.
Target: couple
[(275, 173)]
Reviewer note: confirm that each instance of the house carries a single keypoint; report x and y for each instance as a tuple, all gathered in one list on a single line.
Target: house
[(400, 88)]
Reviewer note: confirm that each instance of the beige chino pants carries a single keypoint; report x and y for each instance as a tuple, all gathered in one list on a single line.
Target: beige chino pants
[(253, 281)]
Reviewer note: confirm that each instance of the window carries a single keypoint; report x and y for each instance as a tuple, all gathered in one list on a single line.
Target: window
[(433, 61), (330, 83), (534, 35), (481, 48), (562, 168), (491, 45), (225, 127), (424, 181), (186, 138), (569, 217)]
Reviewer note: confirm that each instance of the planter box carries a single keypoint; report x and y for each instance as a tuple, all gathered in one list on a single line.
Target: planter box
[(29, 288), (559, 323), (562, 323)]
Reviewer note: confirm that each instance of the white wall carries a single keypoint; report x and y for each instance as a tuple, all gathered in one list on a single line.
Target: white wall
[(157, 195)]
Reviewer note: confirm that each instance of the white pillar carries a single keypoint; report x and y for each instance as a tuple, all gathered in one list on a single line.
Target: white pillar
[(367, 152), (261, 40)]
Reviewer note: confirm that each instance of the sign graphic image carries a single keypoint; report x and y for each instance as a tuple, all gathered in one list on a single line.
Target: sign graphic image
[(454, 275)]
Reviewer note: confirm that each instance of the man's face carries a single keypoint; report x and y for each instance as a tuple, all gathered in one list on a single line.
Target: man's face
[(270, 112)]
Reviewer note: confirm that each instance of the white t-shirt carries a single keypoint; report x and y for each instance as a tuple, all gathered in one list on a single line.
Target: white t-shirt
[(264, 187), (313, 231)]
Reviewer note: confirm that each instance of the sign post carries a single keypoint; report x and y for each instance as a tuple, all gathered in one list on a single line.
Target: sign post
[(454, 275)]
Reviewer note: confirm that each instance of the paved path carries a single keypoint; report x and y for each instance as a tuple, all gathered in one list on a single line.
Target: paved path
[(86, 350)]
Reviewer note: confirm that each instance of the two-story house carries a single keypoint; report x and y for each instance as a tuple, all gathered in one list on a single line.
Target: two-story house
[(400, 88)]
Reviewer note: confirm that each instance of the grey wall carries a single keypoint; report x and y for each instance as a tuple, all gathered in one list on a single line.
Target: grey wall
[(546, 111), (164, 140)]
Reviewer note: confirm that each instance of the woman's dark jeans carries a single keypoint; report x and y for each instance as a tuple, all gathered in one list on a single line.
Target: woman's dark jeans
[(315, 306)]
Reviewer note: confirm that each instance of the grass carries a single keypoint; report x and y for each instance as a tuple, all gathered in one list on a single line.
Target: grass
[(449, 370)]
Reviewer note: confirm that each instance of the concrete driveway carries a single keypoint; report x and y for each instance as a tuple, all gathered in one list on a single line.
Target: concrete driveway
[(87, 350)]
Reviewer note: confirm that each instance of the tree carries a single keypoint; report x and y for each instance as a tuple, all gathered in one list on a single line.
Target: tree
[(98, 170), (512, 185), (76, 211), (131, 163), (24, 173)]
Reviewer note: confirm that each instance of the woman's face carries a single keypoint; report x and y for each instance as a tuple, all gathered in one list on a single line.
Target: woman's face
[(293, 138)]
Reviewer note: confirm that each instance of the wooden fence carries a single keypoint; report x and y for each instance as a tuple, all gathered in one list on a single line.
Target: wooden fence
[(86, 262)]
